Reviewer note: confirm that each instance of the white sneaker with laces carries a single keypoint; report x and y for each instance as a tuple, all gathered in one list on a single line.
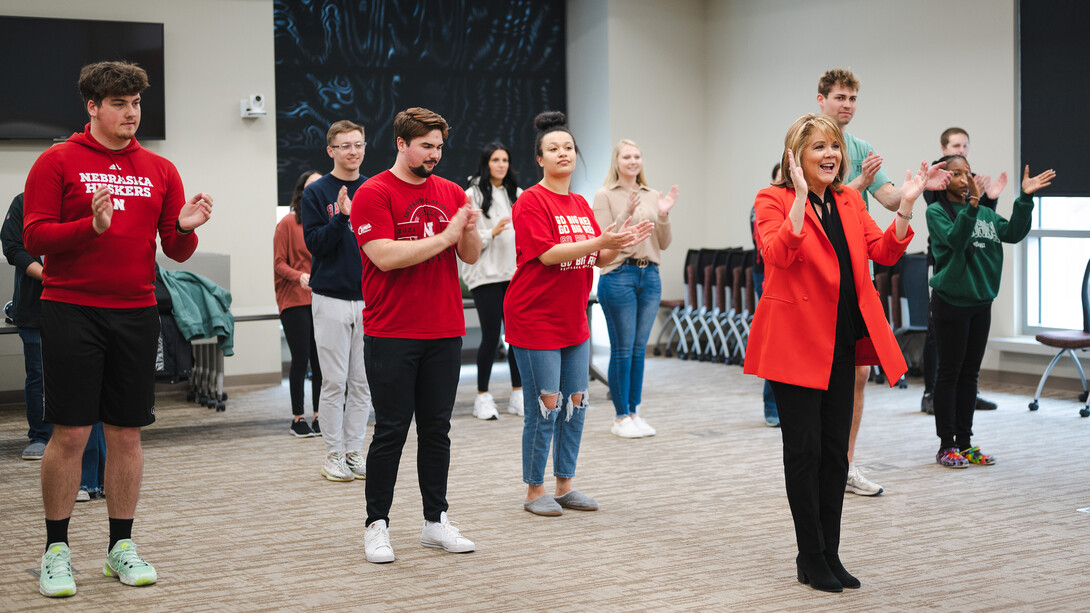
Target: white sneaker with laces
[(376, 543), (442, 535), (484, 407), (356, 463), (514, 405), (626, 428), (335, 468), (642, 425), (858, 484)]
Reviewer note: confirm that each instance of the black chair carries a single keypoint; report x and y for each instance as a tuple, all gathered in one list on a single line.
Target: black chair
[(911, 336), (1069, 341)]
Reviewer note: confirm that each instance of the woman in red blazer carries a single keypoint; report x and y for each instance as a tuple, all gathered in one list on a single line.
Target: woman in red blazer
[(810, 329)]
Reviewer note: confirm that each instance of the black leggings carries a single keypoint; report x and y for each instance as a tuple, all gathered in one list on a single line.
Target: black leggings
[(961, 335), (489, 302), (299, 330)]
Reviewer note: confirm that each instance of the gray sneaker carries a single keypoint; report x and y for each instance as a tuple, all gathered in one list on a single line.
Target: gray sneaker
[(34, 451), (858, 484), (578, 501), (356, 463), (335, 468)]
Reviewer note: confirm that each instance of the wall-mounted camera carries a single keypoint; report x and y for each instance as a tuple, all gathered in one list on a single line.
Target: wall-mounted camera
[(254, 106)]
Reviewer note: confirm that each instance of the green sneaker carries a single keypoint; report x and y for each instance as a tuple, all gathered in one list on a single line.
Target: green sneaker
[(56, 579), (126, 564)]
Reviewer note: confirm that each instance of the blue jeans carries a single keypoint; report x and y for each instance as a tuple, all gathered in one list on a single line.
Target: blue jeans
[(32, 389), (629, 296), (769, 396), (566, 371), (94, 460)]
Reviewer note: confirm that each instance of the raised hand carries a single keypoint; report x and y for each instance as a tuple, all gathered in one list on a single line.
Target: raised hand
[(195, 212), (1032, 184), (996, 188), (937, 177), (500, 226), (667, 202), (102, 208), (798, 179), (914, 185), (344, 203)]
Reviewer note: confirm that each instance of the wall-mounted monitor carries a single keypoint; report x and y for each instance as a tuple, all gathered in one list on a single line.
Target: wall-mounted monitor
[(41, 60)]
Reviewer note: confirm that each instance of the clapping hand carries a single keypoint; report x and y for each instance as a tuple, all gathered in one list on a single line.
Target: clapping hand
[(914, 185), (344, 203), (937, 177), (625, 236), (1032, 184), (996, 188), (102, 208), (195, 212), (667, 202)]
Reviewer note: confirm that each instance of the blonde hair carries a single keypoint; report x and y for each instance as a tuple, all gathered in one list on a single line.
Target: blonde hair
[(798, 135), (614, 174)]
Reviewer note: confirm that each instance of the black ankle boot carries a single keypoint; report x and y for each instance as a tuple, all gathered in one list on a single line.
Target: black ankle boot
[(814, 570), (843, 576)]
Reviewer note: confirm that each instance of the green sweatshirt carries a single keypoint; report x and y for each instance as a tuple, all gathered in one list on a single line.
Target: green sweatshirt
[(968, 253)]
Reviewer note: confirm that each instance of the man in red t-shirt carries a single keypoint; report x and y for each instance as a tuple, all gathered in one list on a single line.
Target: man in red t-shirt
[(410, 225), (93, 207)]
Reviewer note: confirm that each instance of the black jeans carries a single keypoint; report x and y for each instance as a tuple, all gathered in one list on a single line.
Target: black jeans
[(961, 334), (488, 299), (815, 424), (410, 377), (299, 331)]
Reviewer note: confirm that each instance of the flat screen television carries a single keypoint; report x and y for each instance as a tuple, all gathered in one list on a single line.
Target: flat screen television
[(41, 60)]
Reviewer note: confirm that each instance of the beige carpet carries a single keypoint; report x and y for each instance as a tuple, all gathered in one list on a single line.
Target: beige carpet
[(236, 517)]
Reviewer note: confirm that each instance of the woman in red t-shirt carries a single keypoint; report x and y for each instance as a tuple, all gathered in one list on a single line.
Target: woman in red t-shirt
[(291, 272), (557, 240)]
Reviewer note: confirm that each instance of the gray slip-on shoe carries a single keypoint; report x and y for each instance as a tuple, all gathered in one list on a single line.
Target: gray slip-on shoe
[(578, 501), (543, 505), (34, 451)]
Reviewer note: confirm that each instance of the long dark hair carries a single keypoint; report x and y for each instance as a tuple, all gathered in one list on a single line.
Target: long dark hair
[(940, 196), (297, 193), (483, 177)]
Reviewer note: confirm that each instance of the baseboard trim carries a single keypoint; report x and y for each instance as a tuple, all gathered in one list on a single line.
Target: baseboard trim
[(1055, 382)]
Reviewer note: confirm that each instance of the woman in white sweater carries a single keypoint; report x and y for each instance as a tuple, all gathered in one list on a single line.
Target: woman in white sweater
[(493, 189)]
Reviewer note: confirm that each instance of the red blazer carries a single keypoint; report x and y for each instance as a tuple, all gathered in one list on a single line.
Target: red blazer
[(792, 335)]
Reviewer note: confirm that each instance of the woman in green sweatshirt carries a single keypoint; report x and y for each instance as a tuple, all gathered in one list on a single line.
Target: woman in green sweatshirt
[(966, 240)]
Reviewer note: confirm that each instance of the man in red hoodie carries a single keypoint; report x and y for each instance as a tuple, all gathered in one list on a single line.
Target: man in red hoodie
[(93, 206)]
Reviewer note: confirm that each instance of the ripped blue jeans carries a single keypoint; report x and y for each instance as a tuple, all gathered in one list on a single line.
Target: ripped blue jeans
[(547, 372)]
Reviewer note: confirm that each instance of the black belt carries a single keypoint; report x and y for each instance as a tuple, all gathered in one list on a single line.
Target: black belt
[(639, 262)]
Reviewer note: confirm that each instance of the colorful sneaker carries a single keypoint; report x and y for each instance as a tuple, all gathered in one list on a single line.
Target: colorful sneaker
[(974, 456), (860, 485), (335, 468), (951, 458), (124, 563), (56, 579), (442, 535), (484, 407), (315, 428), (376, 543), (356, 463), (301, 429), (514, 405)]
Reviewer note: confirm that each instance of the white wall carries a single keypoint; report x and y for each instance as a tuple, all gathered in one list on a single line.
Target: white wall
[(216, 52)]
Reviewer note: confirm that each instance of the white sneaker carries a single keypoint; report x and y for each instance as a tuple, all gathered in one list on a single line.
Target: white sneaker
[(335, 468), (514, 405), (356, 463), (484, 407), (858, 484), (642, 425), (376, 543), (444, 536), (83, 495), (626, 428)]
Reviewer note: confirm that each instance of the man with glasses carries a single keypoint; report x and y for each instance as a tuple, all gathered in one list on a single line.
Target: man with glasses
[(337, 304)]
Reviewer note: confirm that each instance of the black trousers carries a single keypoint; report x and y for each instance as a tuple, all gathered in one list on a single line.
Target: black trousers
[(961, 334), (299, 331), (410, 378), (488, 299), (815, 425)]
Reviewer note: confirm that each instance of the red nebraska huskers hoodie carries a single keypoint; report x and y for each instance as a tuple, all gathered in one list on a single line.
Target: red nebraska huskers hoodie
[(114, 269)]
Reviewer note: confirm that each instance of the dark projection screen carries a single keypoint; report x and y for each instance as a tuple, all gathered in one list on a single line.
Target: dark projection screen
[(486, 66), (1055, 87)]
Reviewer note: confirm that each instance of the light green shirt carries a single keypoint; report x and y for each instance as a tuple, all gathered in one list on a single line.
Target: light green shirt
[(857, 152)]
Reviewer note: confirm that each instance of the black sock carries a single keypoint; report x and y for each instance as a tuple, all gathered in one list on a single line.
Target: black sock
[(56, 531), (120, 529)]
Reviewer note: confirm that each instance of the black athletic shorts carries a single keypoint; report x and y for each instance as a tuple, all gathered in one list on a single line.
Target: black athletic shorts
[(98, 364)]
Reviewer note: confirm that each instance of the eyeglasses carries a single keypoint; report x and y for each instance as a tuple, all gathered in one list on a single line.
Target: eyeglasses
[(349, 146)]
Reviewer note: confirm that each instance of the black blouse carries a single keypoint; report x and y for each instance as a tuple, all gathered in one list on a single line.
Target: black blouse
[(850, 326)]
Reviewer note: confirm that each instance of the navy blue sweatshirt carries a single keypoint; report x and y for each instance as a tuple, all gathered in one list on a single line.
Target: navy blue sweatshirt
[(335, 269)]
